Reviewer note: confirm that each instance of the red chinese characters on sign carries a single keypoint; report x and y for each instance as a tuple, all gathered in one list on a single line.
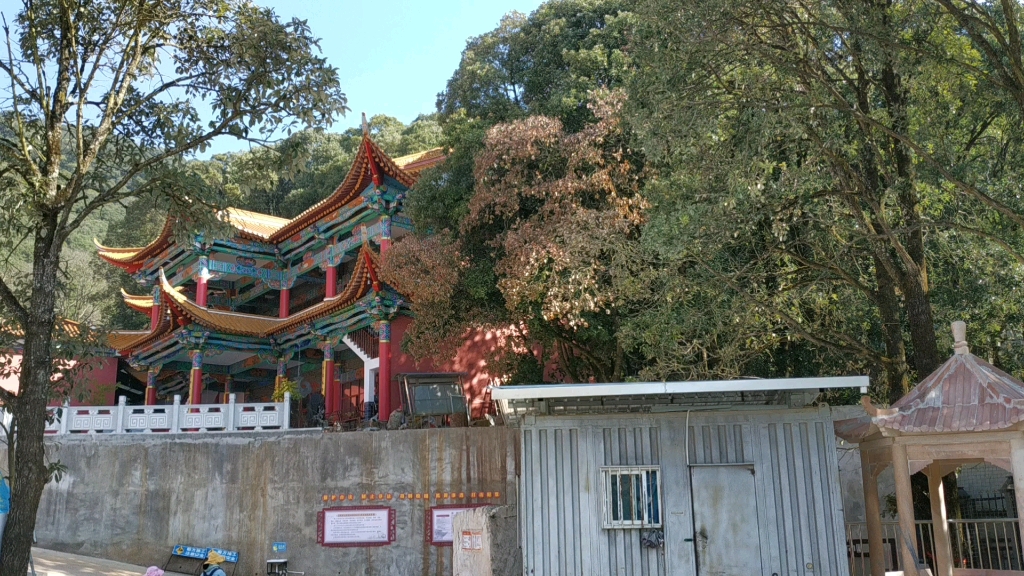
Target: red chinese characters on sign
[(472, 540)]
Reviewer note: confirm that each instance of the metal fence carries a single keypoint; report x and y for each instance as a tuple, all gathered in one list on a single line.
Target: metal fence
[(173, 418), (983, 544)]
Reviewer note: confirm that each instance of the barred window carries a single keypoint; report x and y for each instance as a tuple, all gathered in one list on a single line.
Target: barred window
[(632, 496)]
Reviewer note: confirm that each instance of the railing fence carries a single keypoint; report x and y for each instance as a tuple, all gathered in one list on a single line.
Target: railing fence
[(984, 544), (173, 418)]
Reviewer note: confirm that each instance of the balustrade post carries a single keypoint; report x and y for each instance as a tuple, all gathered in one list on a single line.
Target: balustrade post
[(175, 414), (65, 417), (119, 425), (231, 412), (286, 411)]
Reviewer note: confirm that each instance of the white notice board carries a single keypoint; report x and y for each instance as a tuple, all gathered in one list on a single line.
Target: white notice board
[(356, 526), (439, 523)]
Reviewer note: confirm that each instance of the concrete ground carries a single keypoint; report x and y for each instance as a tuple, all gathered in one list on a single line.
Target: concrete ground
[(51, 563)]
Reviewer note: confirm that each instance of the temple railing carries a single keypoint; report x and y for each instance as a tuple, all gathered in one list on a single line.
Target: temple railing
[(169, 418)]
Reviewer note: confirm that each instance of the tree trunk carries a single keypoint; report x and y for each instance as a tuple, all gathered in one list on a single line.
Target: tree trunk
[(922, 327), (897, 378), (914, 281), (29, 411)]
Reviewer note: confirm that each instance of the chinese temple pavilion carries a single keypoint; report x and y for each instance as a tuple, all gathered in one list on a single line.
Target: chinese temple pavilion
[(296, 298)]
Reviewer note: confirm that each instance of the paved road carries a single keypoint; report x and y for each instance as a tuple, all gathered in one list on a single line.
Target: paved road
[(51, 563)]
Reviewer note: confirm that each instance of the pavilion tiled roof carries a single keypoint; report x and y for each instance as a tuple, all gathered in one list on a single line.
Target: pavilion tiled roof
[(263, 326), (966, 394), (265, 228)]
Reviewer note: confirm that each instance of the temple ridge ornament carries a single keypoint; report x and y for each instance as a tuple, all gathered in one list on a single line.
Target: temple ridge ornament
[(193, 339), (382, 201), (384, 306)]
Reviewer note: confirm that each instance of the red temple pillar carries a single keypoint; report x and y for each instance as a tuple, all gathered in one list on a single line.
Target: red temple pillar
[(285, 303), (227, 388), (195, 386), (384, 372), (151, 375), (202, 282), (332, 282)]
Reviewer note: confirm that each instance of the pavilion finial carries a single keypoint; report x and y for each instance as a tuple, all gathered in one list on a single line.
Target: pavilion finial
[(960, 338), (366, 126)]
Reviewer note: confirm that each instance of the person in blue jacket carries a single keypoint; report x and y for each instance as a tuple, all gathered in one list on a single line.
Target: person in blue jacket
[(5, 504)]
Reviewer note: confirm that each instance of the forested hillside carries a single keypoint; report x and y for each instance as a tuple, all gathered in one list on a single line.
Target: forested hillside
[(788, 189), (657, 189)]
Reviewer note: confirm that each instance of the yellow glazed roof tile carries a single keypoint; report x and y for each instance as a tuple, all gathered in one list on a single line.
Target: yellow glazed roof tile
[(264, 227), (414, 163), (138, 303), (263, 326)]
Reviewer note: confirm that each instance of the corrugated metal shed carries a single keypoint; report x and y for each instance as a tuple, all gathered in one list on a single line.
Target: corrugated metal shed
[(787, 455)]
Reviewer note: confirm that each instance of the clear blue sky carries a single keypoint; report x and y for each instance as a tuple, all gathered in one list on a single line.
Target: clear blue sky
[(393, 56)]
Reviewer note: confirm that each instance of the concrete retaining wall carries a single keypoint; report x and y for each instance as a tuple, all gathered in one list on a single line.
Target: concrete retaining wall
[(131, 498)]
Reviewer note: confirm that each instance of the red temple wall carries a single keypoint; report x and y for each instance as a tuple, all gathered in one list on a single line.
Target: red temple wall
[(94, 385), (470, 359)]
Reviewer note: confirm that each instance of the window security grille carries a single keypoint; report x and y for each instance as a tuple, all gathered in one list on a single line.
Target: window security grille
[(632, 496)]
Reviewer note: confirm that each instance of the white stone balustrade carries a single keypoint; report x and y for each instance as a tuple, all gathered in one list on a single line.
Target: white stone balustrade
[(174, 418)]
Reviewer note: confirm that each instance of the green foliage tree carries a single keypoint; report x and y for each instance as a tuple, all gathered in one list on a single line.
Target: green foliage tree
[(554, 211), (843, 174), (100, 105), (545, 64)]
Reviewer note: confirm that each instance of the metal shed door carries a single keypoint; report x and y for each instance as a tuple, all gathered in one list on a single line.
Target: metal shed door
[(726, 535)]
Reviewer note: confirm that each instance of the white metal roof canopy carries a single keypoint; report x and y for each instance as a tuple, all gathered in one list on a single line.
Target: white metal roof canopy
[(516, 401)]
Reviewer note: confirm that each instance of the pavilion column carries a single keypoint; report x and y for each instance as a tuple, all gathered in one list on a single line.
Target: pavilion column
[(195, 386), (151, 382), (227, 387), (1017, 465), (872, 515), (905, 509), (384, 372), (202, 281), (285, 302), (940, 523), (154, 312)]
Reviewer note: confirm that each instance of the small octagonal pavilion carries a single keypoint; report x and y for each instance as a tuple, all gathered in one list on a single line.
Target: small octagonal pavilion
[(967, 411)]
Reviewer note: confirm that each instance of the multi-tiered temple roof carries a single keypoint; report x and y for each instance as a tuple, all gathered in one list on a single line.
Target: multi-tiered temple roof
[(246, 304)]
